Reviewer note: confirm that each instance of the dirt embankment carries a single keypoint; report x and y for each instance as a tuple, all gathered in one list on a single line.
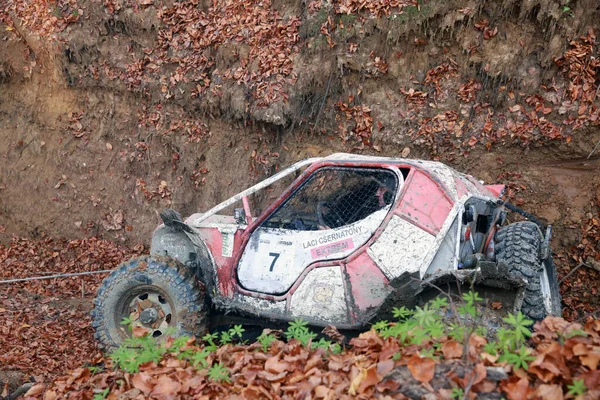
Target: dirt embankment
[(111, 111)]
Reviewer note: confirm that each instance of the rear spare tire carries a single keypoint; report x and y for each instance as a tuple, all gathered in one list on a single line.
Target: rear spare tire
[(157, 293), (518, 246)]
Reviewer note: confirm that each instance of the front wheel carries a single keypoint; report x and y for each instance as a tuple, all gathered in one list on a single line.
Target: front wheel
[(156, 294), (518, 246)]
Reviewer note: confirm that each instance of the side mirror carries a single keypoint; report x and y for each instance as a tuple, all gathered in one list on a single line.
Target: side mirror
[(240, 216)]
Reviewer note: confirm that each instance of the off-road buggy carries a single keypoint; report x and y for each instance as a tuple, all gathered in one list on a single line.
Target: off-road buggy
[(349, 238)]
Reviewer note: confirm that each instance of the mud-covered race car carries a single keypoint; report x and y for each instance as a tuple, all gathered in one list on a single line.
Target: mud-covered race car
[(346, 240)]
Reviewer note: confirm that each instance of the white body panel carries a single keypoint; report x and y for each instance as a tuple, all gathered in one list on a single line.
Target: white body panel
[(321, 296), (402, 247), (274, 258)]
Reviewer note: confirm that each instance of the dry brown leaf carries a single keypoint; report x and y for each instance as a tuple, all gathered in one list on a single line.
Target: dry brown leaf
[(353, 389), (144, 382), (452, 349), (166, 388), (276, 365), (371, 378), (474, 376), (422, 369), (515, 108), (140, 331), (549, 392), (516, 389), (35, 390)]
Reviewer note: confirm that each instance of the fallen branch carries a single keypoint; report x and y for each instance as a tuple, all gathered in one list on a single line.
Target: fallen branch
[(39, 278), (595, 147), (572, 271), (21, 390)]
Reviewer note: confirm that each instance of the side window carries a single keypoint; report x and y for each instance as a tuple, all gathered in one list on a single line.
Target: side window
[(335, 197)]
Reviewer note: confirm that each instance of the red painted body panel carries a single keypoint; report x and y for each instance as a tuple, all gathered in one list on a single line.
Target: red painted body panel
[(366, 281), (424, 203), (496, 189), (224, 265), (461, 187)]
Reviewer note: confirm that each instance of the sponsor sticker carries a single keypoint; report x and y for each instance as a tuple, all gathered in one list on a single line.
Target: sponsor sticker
[(227, 242), (332, 248), (330, 237)]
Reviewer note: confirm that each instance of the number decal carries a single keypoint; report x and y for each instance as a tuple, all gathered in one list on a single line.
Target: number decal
[(275, 257)]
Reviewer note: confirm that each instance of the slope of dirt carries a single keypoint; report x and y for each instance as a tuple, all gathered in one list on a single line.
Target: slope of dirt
[(114, 110), (111, 111)]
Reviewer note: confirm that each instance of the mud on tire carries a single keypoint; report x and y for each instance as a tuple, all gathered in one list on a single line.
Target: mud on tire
[(518, 245), (176, 292)]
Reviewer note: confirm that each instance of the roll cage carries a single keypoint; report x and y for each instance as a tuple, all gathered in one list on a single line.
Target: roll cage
[(309, 165)]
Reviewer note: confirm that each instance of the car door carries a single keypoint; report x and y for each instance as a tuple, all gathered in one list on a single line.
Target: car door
[(332, 214)]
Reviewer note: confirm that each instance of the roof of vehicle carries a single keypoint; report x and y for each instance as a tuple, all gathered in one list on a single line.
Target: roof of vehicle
[(347, 157), (441, 172)]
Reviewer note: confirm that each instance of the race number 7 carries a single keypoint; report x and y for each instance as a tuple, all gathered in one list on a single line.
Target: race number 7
[(275, 257)]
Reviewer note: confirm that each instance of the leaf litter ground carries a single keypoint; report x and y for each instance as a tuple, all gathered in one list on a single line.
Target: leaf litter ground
[(47, 333)]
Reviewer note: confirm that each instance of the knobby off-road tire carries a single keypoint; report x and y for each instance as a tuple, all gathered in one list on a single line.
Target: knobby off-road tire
[(155, 282), (518, 245)]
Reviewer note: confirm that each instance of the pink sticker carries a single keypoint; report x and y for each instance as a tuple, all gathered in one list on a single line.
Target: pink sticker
[(332, 248)]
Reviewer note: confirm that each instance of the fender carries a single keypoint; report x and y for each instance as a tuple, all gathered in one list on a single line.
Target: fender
[(175, 243)]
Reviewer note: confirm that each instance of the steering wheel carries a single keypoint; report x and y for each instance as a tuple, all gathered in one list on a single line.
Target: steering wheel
[(332, 215)]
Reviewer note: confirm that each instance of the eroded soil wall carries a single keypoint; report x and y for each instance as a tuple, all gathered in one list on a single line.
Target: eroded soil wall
[(111, 111)]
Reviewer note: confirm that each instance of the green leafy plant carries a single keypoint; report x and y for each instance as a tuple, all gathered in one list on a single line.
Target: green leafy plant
[(210, 338), (439, 302), (323, 344), (436, 329), (298, 329), (568, 11), (380, 325), (336, 348), (419, 334), (178, 343), (491, 348), (457, 393), (296, 326), (402, 312), (199, 359), (128, 321), (481, 330), (519, 359), (469, 307), (265, 341), (102, 395), (425, 316), (457, 331), (577, 388), (237, 330), (428, 352), (574, 333), (218, 373), (94, 370), (225, 338), (137, 351), (519, 332)]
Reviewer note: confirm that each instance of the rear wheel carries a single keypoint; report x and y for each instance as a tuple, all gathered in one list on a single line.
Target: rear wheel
[(518, 245), (157, 294)]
